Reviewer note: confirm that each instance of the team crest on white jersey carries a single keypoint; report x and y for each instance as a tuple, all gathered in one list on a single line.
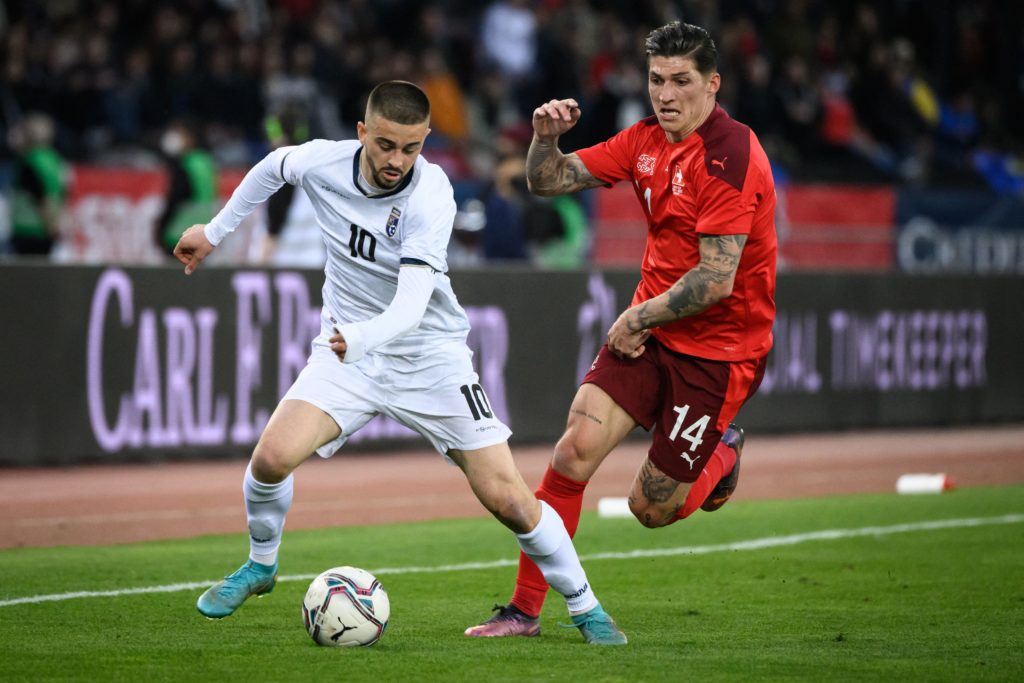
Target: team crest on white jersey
[(392, 225), (645, 164)]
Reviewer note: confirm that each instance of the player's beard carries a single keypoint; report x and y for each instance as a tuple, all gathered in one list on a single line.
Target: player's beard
[(378, 176)]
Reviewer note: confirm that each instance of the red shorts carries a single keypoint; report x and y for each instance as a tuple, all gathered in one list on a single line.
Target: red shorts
[(689, 401)]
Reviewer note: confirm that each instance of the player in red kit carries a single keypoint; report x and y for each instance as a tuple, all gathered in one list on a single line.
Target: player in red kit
[(690, 350)]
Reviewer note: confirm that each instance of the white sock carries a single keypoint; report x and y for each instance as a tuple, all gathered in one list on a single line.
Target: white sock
[(551, 549), (266, 506)]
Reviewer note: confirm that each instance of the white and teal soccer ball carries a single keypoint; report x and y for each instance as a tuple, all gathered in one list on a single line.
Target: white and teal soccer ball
[(346, 607)]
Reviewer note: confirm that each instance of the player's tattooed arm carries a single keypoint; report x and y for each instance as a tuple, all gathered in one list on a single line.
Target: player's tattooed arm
[(585, 414), (698, 289), (706, 284), (549, 172)]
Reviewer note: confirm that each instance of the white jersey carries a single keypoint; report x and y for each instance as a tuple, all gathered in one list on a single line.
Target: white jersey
[(299, 244), (367, 237)]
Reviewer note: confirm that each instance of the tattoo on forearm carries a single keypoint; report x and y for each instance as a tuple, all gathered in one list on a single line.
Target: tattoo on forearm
[(581, 413), (537, 156), (698, 289), (690, 294), (657, 487), (551, 172), (719, 258), (644, 319)]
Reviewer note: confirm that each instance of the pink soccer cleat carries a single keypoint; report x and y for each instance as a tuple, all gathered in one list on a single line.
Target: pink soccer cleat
[(509, 621)]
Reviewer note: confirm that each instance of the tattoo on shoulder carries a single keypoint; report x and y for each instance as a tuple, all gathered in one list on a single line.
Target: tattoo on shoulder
[(583, 413)]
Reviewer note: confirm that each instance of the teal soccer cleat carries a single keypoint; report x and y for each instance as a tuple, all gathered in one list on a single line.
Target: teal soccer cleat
[(224, 597), (598, 628)]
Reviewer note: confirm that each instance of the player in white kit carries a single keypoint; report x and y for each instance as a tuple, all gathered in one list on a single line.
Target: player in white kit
[(392, 341)]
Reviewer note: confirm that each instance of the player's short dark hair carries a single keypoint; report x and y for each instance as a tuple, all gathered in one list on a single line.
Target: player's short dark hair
[(684, 40), (400, 102)]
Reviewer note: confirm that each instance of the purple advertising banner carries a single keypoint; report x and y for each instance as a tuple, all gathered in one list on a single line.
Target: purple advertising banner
[(111, 364)]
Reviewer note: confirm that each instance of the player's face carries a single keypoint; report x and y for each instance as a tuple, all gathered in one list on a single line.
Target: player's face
[(681, 96), (389, 149)]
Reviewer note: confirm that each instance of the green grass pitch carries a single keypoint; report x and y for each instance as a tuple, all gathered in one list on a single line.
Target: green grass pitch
[(876, 602)]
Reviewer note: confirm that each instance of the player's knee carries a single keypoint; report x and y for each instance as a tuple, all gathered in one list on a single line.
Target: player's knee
[(571, 457), (650, 515), (269, 465)]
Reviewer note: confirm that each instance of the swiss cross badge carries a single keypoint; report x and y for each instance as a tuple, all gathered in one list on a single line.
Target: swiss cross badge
[(677, 180)]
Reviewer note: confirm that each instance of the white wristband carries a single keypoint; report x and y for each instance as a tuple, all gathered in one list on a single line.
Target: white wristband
[(356, 341), (214, 233)]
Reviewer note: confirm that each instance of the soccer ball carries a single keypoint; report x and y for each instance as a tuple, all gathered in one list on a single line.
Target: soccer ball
[(346, 607)]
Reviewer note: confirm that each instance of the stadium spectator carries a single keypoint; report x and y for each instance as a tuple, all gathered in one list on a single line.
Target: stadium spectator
[(229, 102), (490, 110), (886, 107), (446, 97), (39, 187), (617, 92), (293, 236), (508, 37), (504, 236), (756, 102), (800, 106), (464, 250), (508, 41), (901, 99), (124, 70), (688, 353), (192, 183), (520, 226)]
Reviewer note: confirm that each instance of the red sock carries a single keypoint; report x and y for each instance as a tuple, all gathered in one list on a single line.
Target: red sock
[(721, 463), (565, 495)]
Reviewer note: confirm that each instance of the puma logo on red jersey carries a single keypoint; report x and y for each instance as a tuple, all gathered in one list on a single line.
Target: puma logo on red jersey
[(720, 163)]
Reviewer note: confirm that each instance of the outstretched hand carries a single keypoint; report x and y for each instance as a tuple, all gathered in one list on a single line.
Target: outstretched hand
[(554, 118), (192, 248)]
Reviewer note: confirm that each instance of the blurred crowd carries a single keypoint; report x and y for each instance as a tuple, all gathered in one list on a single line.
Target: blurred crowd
[(902, 91)]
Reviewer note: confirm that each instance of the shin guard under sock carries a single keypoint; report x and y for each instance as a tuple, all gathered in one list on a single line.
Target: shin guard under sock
[(266, 506)]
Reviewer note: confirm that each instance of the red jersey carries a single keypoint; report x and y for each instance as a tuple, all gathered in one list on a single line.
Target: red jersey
[(715, 182)]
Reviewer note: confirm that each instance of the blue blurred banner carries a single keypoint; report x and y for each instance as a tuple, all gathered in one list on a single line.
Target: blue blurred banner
[(953, 231)]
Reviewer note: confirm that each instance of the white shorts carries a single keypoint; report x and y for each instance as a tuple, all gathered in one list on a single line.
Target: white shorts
[(439, 396)]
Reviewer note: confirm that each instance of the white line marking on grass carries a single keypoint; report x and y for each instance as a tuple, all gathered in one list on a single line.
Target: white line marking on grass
[(753, 544)]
